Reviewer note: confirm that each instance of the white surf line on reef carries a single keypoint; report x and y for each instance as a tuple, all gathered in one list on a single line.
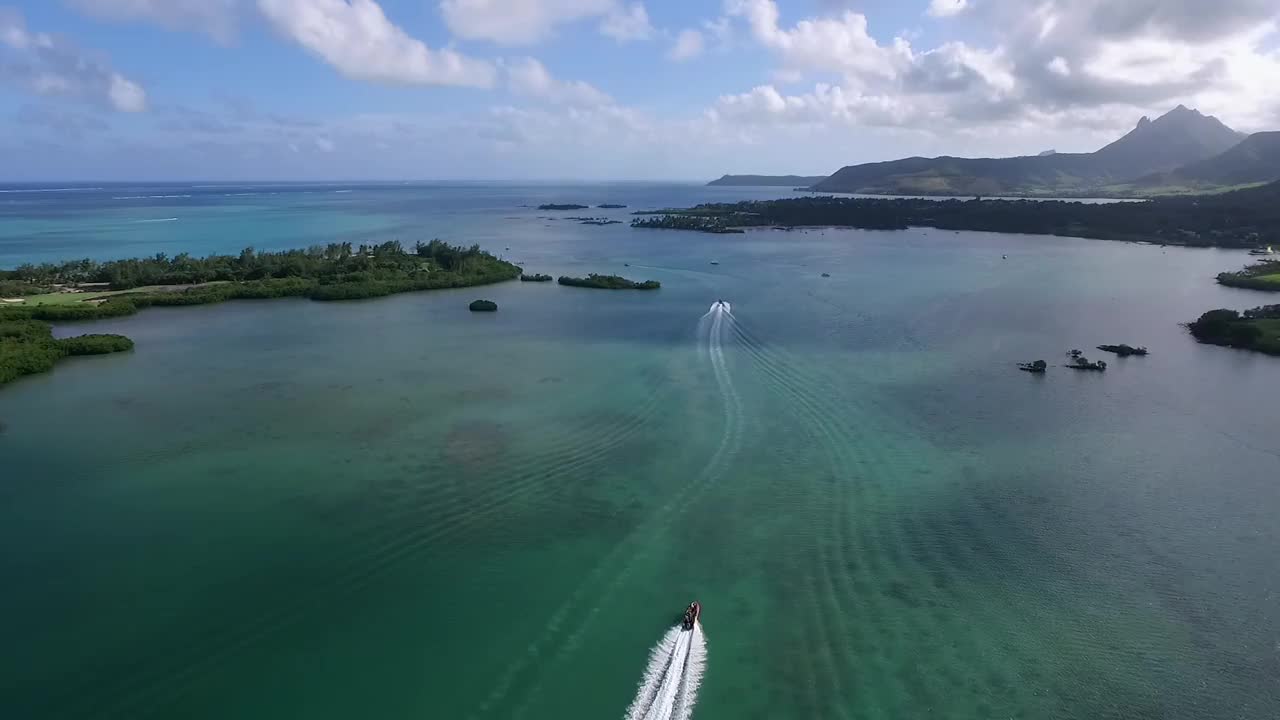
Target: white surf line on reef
[(669, 688)]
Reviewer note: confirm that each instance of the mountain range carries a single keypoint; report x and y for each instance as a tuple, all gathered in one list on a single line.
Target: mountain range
[(1181, 151)]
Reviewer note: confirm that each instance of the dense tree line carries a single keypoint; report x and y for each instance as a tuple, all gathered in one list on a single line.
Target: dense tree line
[(609, 282), (1244, 218), (333, 272), (28, 347), (324, 264)]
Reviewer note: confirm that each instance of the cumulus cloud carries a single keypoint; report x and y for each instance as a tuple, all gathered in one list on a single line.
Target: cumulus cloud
[(530, 78), (217, 18), (359, 41), (947, 8), (1064, 58), (689, 44), (526, 22), (627, 23), (51, 65)]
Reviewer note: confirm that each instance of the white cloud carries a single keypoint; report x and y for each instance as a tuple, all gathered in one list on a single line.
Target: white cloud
[(530, 78), (627, 23), (357, 39), (126, 95), (1093, 61), (838, 44), (526, 22), (217, 18), (50, 65), (947, 8), (689, 44)]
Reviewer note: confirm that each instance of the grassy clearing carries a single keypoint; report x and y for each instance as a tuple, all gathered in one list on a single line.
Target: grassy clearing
[(1269, 342), (71, 298)]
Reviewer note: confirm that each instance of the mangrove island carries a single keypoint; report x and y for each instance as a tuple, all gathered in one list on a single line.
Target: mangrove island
[(565, 206), (535, 278), (1244, 218), (1257, 329), (483, 306), (1123, 350), (28, 347), (609, 282), (89, 290)]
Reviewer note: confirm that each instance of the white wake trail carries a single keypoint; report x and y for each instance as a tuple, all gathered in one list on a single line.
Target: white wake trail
[(669, 689), (694, 666)]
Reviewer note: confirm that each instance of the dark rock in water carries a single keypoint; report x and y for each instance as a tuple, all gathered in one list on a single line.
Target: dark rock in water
[(1123, 350), (1038, 366), (484, 306), (565, 206), (826, 274)]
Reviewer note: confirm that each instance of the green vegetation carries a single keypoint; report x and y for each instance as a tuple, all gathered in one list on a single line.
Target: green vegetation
[(535, 278), (1245, 218), (609, 282), (1257, 329), (1123, 350), (28, 347), (333, 272), (610, 206), (1261, 276), (483, 306), (692, 220), (568, 206)]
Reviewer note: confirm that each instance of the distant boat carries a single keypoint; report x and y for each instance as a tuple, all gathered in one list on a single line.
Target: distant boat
[(1268, 251), (714, 262)]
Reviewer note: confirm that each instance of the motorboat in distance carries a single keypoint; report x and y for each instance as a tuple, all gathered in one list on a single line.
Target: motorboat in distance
[(691, 615)]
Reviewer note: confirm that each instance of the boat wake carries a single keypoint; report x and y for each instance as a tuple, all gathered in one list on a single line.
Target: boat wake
[(713, 326), (670, 685)]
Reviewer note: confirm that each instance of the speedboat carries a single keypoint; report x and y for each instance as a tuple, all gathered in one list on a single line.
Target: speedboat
[(691, 615)]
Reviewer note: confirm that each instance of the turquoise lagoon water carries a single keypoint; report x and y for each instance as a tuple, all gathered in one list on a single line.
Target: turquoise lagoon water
[(395, 508)]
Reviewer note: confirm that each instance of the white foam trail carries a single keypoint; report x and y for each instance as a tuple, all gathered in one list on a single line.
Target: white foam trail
[(157, 220), (670, 685), (659, 665), (693, 669), (733, 404)]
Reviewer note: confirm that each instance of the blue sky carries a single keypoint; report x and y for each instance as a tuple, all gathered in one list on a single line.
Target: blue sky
[(600, 89)]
